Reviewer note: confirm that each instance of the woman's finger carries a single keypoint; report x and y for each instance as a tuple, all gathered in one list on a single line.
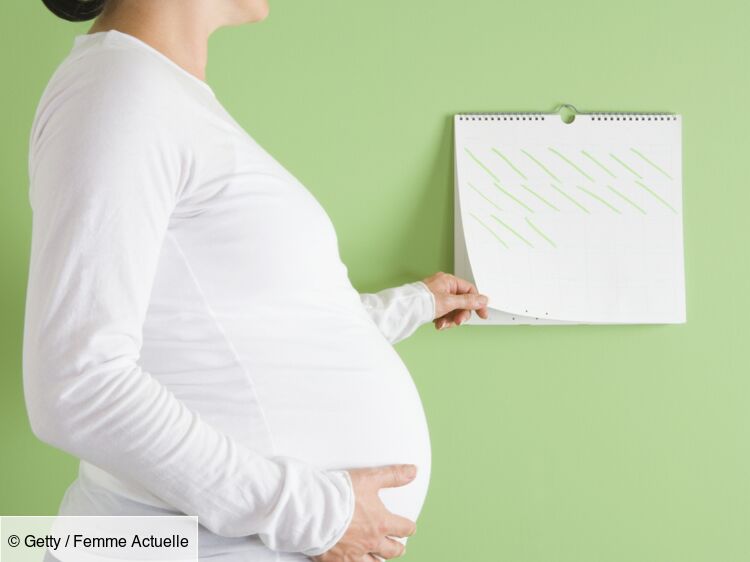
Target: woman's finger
[(466, 301), (466, 287), (483, 312), (452, 316), (462, 316), (445, 321), (389, 548), (398, 526)]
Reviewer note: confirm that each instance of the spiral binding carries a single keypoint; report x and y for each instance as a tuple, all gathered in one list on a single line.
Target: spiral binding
[(517, 116), (594, 115), (609, 116)]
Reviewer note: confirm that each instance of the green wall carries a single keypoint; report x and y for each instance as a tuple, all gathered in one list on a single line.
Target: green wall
[(551, 444)]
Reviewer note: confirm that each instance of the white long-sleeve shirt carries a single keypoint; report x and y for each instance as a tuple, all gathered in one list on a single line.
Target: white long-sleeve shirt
[(191, 332)]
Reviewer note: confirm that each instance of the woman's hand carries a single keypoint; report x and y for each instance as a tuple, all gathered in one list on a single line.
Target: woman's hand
[(372, 525), (455, 298)]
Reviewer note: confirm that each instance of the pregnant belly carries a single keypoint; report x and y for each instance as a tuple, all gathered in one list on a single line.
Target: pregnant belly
[(348, 405)]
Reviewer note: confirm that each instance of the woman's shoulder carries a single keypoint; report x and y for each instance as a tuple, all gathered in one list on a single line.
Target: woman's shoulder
[(105, 73), (117, 87)]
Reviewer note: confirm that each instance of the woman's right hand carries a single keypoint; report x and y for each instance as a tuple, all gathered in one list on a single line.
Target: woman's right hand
[(372, 525)]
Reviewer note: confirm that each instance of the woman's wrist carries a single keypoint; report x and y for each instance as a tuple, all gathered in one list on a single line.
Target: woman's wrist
[(427, 301), (343, 482)]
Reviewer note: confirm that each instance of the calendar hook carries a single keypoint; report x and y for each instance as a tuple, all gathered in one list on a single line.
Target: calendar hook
[(569, 106)]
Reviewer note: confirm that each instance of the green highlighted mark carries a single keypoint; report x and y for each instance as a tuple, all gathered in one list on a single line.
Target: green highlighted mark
[(513, 231), (540, 233), (625, 198), (650, 162), (656, 195), (573, 164), (595, 161), (569, 198), (516, 199), (507, 161), (542, 199), (486, 198), (603, 201), (480, 221), (628, 168), (478, 161), (542, 166)]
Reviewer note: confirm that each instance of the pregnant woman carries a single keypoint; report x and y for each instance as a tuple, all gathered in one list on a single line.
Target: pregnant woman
[(191, 332)]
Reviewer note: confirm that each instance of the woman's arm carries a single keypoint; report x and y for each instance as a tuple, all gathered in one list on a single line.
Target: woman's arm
[(443, 298), (399, 311), (104, 181)]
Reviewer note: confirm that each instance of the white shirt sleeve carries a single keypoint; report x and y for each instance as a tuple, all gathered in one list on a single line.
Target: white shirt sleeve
[(399, 311), (104, 181)]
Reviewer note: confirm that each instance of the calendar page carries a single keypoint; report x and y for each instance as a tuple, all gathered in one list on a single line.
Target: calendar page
[(571, 222)]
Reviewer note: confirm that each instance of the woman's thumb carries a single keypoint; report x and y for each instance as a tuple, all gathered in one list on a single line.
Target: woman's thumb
[(395, 475), (466, 301)]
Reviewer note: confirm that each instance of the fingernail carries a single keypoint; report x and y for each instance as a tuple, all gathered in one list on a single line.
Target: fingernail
[(481, 301), (410, 470)]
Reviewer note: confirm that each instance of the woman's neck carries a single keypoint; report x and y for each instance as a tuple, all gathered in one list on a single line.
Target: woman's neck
[(178, 28)]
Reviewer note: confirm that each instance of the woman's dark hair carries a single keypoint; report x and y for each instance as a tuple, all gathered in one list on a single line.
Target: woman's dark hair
[(75, 10)]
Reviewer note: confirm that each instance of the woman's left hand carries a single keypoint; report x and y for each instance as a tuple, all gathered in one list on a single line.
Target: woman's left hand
[(455, 298)]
